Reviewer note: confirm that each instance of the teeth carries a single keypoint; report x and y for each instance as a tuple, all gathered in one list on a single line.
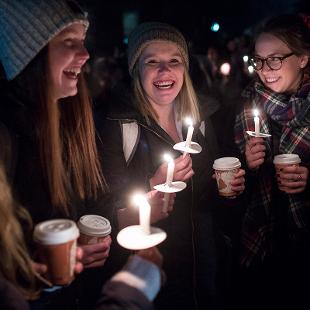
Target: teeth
[(164, 84), (270, 80), (75, 71)]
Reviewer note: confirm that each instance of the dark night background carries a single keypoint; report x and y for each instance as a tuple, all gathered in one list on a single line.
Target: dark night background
[(192, 17)]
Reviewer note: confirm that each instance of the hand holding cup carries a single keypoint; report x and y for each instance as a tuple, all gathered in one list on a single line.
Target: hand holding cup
[(229, 177), (292, 178), (56, 241), (94, 239)]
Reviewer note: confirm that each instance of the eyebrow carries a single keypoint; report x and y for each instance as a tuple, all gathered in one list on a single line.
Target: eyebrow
[(154, 55), (271, 55)]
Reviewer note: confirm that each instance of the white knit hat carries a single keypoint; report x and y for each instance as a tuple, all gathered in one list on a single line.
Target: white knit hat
[(26, 26)]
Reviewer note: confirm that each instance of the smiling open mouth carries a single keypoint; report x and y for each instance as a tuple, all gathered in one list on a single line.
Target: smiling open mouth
[(272, 79), (164, 84), (72, 73)]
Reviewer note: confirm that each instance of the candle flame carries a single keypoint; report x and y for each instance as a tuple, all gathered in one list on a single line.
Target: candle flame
[(189, 121), (255, 112), (168, 158), (139, 199)]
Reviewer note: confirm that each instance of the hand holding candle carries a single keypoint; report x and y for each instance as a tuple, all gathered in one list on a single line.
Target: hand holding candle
[(144, 212), (170, 169), (256, 121)]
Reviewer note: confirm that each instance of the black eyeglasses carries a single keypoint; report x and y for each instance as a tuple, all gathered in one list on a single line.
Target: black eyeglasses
[(273, 62)]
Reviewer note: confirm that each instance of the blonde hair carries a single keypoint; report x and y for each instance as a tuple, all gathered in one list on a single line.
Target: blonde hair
[(15, 261), (186, 100)]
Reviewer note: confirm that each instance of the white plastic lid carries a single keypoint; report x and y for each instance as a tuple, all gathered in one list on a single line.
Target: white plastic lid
[(226, 163), (94, 225), (286, 159), (56, 231)]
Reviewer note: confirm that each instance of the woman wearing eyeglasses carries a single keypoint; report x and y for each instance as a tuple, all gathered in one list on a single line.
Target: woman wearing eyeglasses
[(275, 241)]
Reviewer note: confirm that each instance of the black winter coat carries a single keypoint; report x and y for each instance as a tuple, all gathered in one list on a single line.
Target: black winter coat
[(194, 247)]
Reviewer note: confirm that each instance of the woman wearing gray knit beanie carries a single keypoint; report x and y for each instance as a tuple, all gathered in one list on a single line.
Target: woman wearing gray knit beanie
[(138, 133), (46, 108), (53, 163)]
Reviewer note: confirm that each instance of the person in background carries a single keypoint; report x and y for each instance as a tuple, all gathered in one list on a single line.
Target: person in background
[(138, 131), (275, 238), (54, 168)]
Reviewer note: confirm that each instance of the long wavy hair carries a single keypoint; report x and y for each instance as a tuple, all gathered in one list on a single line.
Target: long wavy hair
[(186, 102), (15, 263), (65, 133)]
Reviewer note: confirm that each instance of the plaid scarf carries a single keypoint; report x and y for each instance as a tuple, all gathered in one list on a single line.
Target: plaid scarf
[(292, 114)]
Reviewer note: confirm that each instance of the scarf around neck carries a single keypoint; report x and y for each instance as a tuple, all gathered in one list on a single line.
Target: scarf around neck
[(292, 114)]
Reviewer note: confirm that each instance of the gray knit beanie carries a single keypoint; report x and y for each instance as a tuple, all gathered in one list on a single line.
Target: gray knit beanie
[(149, 32), (26, 26)]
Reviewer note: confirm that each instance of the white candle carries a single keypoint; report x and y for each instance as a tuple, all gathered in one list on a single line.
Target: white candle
[(144, 212), (190, 131), (170, 169), (256, 121)]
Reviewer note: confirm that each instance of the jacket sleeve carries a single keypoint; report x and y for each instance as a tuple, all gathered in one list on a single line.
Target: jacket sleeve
[(117, 295)]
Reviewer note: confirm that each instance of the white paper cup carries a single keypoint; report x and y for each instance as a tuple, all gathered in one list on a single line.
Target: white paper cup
[(56, 240), (225, 168), (93, 229), (285, 160)]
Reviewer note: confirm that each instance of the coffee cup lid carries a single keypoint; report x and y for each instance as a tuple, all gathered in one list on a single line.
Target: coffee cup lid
[(56, 231), (287, 159), (225, 163), (94, 225)]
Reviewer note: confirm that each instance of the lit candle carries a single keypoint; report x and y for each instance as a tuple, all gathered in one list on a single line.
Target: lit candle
[(170, 169), (256, 121), (190, 131), (144, 212)]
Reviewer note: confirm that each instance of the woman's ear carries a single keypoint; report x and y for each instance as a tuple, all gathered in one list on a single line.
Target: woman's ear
[(304, 61)]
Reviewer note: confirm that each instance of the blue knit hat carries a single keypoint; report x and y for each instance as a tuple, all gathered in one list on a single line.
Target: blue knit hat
[(26, 26)]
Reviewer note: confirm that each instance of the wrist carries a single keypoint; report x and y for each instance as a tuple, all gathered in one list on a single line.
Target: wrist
[(141, 274)]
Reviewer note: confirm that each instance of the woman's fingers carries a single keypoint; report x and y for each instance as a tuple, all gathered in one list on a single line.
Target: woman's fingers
[(183, 168), (96, 254), (238, 183), (293, 179), (255, 152)]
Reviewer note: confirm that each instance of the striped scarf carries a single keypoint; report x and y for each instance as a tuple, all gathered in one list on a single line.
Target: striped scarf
[(292, 114)]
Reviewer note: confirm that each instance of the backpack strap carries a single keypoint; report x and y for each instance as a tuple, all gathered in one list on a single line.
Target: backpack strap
[(202, 128), (131, 136)]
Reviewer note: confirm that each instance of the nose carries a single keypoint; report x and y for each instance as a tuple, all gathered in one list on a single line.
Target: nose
[(163, 66), (83, 54)]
